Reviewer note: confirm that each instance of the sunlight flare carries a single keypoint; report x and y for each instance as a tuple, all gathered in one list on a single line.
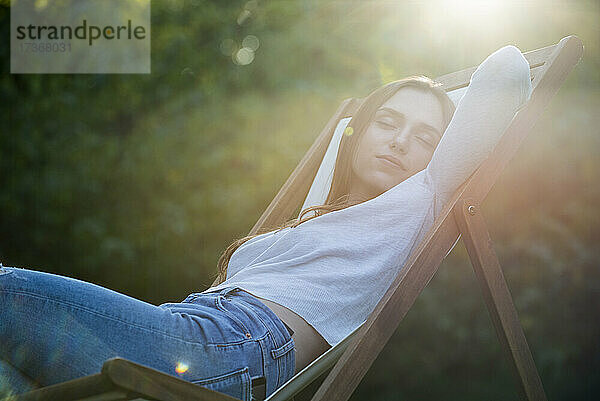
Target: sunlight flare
[(181, 368)]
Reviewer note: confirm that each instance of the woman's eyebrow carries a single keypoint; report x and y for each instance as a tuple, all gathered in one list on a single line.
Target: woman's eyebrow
[(399, 116), (395, 114)]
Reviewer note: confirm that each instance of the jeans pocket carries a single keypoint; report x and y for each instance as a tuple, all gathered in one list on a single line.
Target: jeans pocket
[(237, 384)]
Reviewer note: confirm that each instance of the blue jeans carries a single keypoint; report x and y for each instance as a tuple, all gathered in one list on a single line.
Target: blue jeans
[(54, 328)]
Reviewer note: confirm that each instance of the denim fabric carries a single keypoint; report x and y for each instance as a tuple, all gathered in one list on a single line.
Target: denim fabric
[(54, 328)]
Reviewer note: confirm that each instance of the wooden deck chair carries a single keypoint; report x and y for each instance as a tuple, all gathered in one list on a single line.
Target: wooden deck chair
[(349, 360)]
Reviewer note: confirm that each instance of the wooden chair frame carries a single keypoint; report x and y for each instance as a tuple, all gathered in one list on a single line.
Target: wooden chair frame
[(121, 379)]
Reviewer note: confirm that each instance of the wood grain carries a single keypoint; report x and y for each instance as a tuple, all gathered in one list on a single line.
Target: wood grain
[(498, 300)]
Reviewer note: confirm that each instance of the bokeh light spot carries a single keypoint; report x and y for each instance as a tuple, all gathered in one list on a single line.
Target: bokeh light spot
[(187, 71), (244, 15), (41, 4), (251, 42), (181, 368), (244, 56), (251, 5)]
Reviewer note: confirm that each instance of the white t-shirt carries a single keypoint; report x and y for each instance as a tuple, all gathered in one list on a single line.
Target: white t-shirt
[(332, 270)]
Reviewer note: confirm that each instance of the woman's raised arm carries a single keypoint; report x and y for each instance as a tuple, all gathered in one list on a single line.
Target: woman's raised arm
[(498, 88)]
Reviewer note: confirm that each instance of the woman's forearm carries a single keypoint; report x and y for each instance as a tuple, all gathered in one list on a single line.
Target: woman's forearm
[(498, 88)]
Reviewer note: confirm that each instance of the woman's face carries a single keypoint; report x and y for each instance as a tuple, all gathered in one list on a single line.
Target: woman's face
[(398, 143)]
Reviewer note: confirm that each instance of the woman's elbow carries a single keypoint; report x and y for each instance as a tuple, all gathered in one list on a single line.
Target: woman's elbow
[(508, 69)]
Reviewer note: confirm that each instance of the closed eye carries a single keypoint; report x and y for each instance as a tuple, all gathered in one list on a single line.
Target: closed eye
[(385, 124), (426, 138)]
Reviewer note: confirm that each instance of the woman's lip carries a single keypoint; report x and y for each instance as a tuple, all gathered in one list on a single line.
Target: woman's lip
[(391, 161)]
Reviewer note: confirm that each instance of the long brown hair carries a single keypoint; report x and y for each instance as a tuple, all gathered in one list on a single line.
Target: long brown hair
[(338, 197)]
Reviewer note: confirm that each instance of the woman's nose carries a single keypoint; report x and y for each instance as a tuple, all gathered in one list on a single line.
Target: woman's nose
[(400, 141)]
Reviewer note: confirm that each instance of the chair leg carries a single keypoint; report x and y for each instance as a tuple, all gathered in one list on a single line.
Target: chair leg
[(498, 299)]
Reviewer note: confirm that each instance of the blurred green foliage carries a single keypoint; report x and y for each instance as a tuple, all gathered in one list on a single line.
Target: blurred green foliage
[(139, 182)]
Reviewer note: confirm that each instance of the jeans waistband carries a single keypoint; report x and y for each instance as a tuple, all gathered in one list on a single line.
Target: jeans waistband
[(238, 291), (241, 294)]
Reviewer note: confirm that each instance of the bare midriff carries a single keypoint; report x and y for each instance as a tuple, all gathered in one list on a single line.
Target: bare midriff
[(309, 343)]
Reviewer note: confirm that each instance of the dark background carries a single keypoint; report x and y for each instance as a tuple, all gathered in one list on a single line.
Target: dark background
[(139, 182)]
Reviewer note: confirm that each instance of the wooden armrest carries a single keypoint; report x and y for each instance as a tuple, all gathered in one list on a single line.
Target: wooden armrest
[(121, 379)]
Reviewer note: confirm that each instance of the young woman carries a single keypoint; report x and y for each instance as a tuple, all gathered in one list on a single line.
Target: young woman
[(284, 296)]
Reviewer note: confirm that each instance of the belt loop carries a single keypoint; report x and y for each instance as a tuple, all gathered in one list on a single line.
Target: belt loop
[(228, 290), (284, 349)]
